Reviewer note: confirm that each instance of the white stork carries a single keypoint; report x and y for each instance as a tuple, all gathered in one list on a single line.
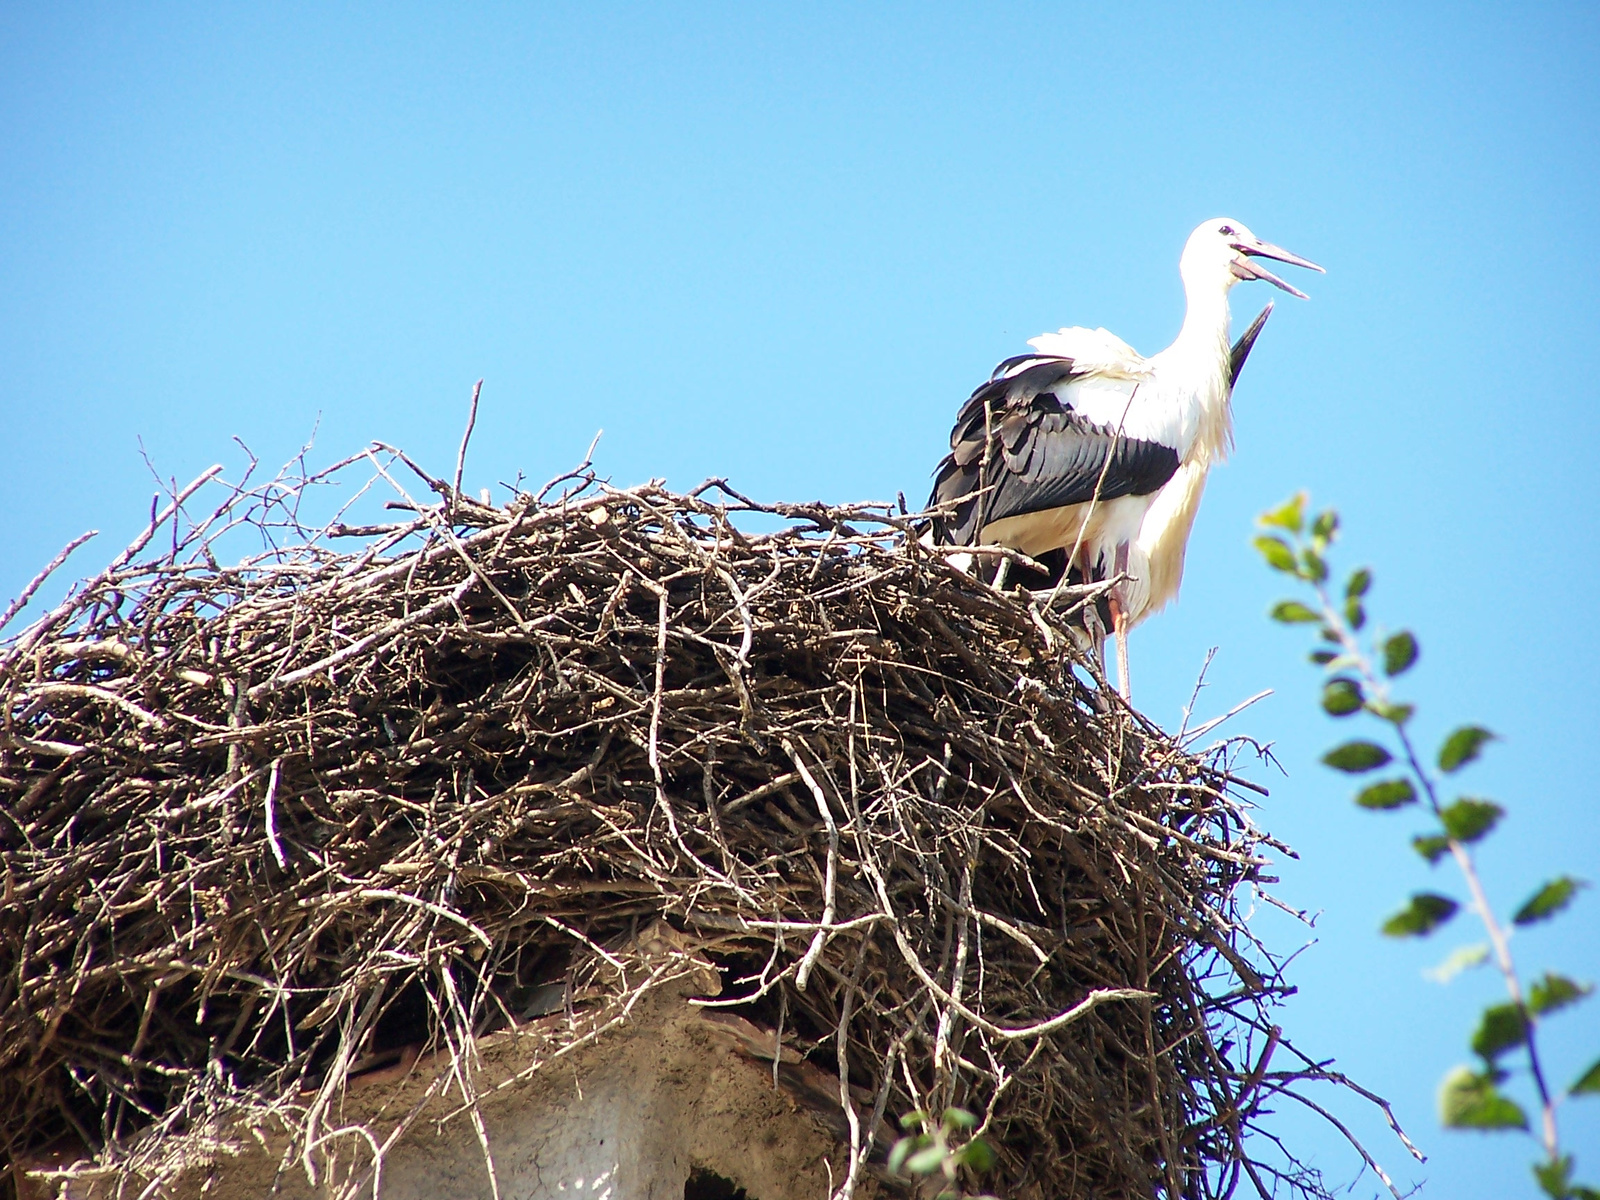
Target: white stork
[(1088, 450)]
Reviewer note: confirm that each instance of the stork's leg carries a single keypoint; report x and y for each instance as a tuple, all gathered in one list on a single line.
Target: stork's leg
[(1091, 614), (1096, 633), (1119, 623)]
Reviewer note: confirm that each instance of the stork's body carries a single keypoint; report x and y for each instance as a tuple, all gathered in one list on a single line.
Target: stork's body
[(1156, 556), (1089, 448)]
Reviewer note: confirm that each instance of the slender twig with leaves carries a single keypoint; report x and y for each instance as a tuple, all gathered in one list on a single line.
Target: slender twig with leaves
[(935, 1153), (1361, 666)]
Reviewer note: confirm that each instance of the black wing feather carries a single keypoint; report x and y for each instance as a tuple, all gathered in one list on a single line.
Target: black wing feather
[(1040, 453), (1241, 348)]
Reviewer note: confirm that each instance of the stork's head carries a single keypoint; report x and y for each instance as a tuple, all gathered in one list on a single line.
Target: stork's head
[(1222, 252)]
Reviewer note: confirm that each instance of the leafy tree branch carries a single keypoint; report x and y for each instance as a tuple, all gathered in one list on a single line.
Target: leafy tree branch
[(1361, 667)]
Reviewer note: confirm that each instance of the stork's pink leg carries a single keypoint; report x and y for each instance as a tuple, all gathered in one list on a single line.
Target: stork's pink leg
[(1091, 616), (1119, 623)]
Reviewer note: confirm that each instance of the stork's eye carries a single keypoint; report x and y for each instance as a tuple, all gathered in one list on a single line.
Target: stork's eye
[(1226, 231)]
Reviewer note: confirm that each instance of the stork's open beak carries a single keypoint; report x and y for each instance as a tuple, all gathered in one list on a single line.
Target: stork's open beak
[(1243, 268)]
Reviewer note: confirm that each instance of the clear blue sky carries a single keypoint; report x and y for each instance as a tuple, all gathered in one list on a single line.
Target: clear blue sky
[(782, 243)]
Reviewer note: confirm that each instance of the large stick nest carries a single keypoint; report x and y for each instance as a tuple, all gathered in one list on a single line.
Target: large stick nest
[(263, 824)]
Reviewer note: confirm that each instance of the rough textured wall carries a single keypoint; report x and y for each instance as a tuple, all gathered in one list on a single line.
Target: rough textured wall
[(628, 1118)]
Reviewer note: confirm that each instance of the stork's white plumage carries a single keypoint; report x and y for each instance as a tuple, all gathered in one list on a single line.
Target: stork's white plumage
[(1087, 450)]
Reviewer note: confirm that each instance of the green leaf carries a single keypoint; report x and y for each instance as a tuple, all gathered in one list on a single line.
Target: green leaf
[(1467, 819), (977, 1155), (1588, 1083), (1502, 1027), (1432, 846), (1395, 714), (1424, 913), (1548, 900), (926, 1161), (959, 1118), (912, 1119), (1277, 553), (1360, 581), (1325, 526), (1554, 992), (1462, 958), (1316, 569), (1355, 757), (1468, 1100), (897, 1156), (1341, 696), (1399, 652), (1354, 614), (1555, 1178), (1387, 793), (1292, 612), (1462, 746), (1323, 657), (1289, 515)]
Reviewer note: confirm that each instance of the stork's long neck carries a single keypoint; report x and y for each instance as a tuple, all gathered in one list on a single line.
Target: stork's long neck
[(1199, 358), (1205, 322)]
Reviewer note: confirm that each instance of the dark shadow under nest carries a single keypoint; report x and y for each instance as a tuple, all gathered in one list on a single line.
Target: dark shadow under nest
[(266, 825)]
